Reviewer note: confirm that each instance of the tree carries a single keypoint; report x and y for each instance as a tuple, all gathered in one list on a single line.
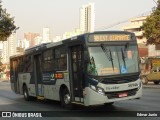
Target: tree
[(151, 26), (1, 67), (7, 25)]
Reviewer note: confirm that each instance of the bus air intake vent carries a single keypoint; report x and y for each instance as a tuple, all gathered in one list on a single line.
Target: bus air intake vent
[(112, 95), (120, 80)]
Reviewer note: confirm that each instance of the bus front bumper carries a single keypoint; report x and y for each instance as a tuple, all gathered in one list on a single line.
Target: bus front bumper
[(94, 98)]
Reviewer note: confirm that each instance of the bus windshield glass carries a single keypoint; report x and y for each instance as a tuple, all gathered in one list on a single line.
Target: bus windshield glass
[(111, 60)]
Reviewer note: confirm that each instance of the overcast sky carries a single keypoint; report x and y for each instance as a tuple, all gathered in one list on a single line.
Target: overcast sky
[(63, 15)]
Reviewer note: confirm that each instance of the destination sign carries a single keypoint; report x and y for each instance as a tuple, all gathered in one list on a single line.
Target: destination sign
[(109, 37)]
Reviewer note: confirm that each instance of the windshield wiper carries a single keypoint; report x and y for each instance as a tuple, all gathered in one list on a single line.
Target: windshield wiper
[(123, 57), (109, 56)]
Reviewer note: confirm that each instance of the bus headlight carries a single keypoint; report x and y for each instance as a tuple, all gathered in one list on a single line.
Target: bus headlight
[(97, 89), (93, 87), (140, 84), (100, 91)]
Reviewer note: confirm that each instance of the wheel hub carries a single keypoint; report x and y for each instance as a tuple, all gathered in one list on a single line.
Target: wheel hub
[(67, 99), (25, 94)]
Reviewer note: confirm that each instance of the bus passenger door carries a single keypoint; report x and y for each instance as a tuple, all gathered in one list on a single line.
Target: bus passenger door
[(38, 75), (77, 83), (15, 75)]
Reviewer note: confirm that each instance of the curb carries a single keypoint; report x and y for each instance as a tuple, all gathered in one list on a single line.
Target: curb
[(4, 80), (152, 87)]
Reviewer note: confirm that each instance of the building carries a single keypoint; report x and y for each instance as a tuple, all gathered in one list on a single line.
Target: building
[(72, 34), (38, 40), (87, 18), (1, 49), (31, 38), (12, 44), (1, 44), (135, 27), (154, 50), (5, 52), (46, 35), (57, 39), (20, 47), (144, 50), (9, 47), (26, 43)]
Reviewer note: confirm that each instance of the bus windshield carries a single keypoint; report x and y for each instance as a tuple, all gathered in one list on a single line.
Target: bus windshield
[(111, 60)]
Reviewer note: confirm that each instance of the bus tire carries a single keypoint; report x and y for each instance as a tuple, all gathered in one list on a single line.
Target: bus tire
[(144, 80), (66, 99), (156, 82), (25, 93), (109, 104)]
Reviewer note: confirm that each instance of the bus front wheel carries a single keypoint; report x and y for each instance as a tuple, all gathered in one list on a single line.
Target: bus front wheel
[(109, 104), (25, 93), (66, 99)]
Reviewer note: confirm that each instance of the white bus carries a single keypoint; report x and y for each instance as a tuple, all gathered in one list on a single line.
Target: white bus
[(89, 69)]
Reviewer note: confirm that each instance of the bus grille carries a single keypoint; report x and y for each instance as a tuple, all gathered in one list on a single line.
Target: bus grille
[(120, 80), (112, 95)]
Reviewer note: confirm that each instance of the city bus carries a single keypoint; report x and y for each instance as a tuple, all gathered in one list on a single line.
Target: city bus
[(96, 68)]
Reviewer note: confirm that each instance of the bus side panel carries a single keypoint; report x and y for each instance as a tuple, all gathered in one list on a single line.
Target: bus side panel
[(20, 80), (12, 87), (15, 85), (52, 91), (25, 78), (14, 74)]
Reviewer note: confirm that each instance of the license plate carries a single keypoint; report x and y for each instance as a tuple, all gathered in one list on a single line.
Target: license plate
[(122, 95)]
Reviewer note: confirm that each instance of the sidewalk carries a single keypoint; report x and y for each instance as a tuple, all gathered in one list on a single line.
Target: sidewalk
[(4, 80), (152, 85)]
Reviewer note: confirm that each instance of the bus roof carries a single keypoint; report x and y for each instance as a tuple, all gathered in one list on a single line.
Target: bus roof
[(116, 31), (17, 55), (52, 44), (36, 47)]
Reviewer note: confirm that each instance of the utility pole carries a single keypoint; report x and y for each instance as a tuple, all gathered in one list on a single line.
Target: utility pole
[(155, 2)]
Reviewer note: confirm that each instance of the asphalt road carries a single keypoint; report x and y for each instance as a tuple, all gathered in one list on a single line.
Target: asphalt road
[(9, 101)]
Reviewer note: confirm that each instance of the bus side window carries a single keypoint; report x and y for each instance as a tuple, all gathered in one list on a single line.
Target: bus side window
[(61, 59), (28, 67), (48, 62)]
